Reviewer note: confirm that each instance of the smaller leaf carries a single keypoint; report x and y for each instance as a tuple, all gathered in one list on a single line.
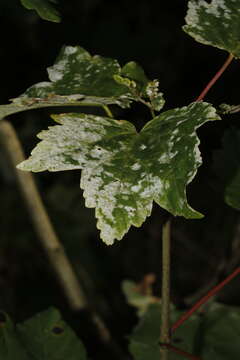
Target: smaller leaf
[(46, 336), (229, 109), (141, 87), (44, 9), (142, 351), (156, 97), (215, 24), (134, 72), (146, 335), (10, 346), (140, 294), (227, 165)]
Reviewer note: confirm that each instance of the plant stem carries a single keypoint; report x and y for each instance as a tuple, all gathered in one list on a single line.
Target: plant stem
[(61, 265), (59, 261), (41, 221), (181, 352), (108, 111), (165, 312), (204, 299), (215, 78)]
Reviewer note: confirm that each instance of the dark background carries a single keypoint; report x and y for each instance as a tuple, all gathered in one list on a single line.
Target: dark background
[(203, 251)]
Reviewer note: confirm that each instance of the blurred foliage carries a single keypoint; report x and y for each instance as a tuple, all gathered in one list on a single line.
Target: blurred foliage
[(203, 251)]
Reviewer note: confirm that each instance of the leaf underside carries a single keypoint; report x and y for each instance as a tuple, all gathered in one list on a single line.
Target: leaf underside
[(79, 79), (123, 171), (44, 9), (216, 24)]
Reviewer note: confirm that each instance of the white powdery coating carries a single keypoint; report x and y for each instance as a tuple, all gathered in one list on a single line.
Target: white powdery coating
[(108, 234), (69, 50), (156, 186), (136, 166), (215, 9), (56, 72), (72, 139), (152, 88)]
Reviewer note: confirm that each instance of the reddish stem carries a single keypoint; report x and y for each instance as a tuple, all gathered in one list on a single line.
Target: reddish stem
[(181, 352), (204, 299), (215, 78)]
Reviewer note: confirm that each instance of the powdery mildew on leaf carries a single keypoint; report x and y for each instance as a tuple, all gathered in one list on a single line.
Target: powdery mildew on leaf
[(79, 79), (216, 23), (123, 171), (77, 72)]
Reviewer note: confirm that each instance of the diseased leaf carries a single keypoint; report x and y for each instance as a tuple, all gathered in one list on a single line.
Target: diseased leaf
[(79, 79), (44, 9), (46, 336), (215, 23), (123, 171), (76, 72), (227, 165), (26, 103)]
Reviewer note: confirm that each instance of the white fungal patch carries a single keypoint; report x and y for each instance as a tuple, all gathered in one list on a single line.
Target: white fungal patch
[(136, 166), (130, 210), (135, 188), (143, 147), (56, 72), (69, 50)]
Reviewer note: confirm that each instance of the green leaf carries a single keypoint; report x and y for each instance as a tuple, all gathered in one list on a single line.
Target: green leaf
[(136, 298), (212, 335), (221, 331), (227, 165), (123, 171), (216, 23), (146, 335), (10, 346), (47, 336), (44, 9)]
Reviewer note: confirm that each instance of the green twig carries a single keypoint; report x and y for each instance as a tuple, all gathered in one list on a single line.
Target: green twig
[(108, 111), (165, 313)]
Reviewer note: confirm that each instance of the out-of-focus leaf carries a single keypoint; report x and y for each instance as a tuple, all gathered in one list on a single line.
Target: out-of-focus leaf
[(213, 335), (46, 336), (10, 346), (44, 8), (221, 331), (215, 23), (140, 294), (146, 335), (227, 165), (124, 171)]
